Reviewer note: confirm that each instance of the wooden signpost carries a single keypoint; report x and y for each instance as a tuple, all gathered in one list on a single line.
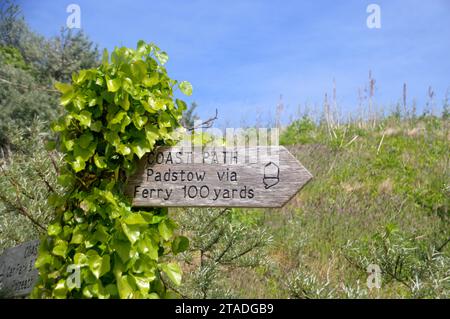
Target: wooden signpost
[(17, 272), (217, 177), (180, 177)]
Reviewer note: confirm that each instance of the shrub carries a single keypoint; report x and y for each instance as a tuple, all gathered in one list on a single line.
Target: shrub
[(114, 115)]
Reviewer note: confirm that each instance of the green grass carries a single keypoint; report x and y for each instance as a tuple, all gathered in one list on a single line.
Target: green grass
[(368, 182)]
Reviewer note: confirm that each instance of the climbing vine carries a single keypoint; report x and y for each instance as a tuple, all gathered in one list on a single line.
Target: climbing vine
[(114, 114)]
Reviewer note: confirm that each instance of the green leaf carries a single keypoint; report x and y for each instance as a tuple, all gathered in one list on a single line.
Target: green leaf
[(84, 118), (181, 105), (132, 232), (124, 102), (139, 121), (79, 234), (186, 88), (118, 117), (78, 164), (151, 80), (43, 259), (173, 271), (83, 153), (66, 98), (60, 290), (85, 139), (149, 247), (140, 148), (138, 70), (58, 126), (54, 229), (164, 120), (113, 85), (122, 248), (96, 126), (60, 248), (123, 149), (80, 259), (124, 287), (97, 264), (180, 244), (100, 161), (165, 230), (63, 87), (105, 57), (135, 219), (162, 57), (66, 180), (101, 234)]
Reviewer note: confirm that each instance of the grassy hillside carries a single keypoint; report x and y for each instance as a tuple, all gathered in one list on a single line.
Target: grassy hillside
[(380, 195)]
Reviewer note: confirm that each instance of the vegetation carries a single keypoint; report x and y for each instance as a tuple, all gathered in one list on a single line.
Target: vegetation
[(115, 114), (380, 193)]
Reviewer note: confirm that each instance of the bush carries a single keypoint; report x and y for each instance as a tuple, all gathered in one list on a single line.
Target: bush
[(114, 115)]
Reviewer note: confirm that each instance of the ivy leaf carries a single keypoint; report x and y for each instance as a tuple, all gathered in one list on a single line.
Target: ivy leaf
[(135, 219), (85, 139), (139, 121), (124, 287), (122, 248), (96, 126), (60, 248), (151, 80), (105, 57), (84, 118), (162, 57), (83, 153), (138, 70), (79, 234), (80, 259), (43, 259), (181, 105), (132, 232), (186, 88), (78, 164), (54, 229), (149, 247), (101, 234), (66, 98), (123, 149), (180, 244), (99, 161), (143, 284), (165, 229), (140, 148), (124, 102), (173, 271), (113, 85), (97, 264), (64, 88), (60, 290), (66, 180)]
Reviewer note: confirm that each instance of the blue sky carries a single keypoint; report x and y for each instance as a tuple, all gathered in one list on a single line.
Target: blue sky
[(242, 55)]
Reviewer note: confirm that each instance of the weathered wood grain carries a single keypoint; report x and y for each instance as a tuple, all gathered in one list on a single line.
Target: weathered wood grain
[(240, 177), (17, 272)]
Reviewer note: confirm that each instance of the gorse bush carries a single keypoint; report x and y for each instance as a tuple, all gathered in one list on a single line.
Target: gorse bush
[(422, 270), (223, 241), (114, 114), (27, 177)]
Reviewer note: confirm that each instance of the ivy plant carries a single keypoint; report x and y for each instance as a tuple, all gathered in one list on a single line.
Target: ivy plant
[(99, 246)]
